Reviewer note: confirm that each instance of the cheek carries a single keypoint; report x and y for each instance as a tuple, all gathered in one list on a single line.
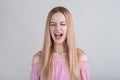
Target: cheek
[(51, 30), (65, 29)]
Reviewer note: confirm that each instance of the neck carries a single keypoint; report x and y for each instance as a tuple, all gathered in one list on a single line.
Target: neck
[(59, 48)]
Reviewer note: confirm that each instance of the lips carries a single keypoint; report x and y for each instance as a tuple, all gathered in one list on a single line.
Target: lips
[(58, 35)]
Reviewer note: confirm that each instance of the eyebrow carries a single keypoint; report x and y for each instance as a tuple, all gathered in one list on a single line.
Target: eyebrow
[(52, 22), (60, 22)]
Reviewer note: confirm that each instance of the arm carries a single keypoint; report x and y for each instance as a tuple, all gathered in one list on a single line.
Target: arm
[(85, 73), (34, 72), (84, 67), (34, 75)]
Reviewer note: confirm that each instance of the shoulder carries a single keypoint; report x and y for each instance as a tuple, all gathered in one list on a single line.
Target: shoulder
[(36, 57), (82, 55)]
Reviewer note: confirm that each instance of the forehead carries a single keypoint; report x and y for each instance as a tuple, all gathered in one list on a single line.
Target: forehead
[(57, 17)]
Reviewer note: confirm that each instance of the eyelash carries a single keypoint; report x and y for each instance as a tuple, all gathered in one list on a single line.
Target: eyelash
[(52, 24), (55, 24), (63, 24)]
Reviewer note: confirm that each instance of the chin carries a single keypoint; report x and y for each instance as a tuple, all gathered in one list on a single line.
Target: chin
[(58, 42)]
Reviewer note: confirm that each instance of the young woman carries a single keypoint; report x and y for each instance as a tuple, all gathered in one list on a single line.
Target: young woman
[(59, 58)]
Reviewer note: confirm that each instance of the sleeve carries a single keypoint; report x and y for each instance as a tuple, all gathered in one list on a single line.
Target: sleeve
[(34, 75), (85, 73)]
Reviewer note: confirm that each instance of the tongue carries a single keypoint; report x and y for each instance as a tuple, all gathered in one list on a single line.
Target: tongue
[(58, 36)]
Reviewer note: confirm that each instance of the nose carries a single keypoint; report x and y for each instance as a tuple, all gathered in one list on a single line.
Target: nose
[(57, 27)]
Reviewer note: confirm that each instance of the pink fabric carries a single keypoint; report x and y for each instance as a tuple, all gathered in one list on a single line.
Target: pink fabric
[(34, 73), (60, 71)]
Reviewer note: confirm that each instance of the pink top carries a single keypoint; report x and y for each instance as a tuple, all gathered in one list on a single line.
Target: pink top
[(60, 71)]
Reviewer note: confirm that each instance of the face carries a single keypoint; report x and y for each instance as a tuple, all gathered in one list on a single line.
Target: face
[(58, 28)]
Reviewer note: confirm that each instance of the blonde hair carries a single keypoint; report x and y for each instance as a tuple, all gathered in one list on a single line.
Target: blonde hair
[(72, 56)]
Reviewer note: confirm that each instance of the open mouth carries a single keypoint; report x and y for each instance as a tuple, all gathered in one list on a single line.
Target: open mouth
[(58, 36)]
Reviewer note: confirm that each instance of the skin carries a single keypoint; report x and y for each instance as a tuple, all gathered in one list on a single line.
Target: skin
[(56, 20), (58, 26)]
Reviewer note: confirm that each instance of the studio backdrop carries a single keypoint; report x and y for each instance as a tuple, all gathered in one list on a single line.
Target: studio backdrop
[(97, 29)]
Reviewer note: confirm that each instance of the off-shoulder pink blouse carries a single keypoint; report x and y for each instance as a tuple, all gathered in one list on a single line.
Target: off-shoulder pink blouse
[(60, 71)]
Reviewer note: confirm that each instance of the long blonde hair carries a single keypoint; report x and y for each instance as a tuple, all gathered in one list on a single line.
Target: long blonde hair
[(72, 56)]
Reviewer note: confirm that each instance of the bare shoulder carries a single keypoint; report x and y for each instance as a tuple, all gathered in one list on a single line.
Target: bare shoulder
[(36, 57), (82, 55)]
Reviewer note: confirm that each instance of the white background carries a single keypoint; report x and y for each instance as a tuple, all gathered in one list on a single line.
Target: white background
[(97, 28)]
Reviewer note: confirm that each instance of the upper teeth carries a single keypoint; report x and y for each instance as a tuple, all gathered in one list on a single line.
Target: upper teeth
[(57, 34)]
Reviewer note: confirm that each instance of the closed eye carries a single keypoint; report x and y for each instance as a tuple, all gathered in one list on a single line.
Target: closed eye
[(52, 24), (62, 24)]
